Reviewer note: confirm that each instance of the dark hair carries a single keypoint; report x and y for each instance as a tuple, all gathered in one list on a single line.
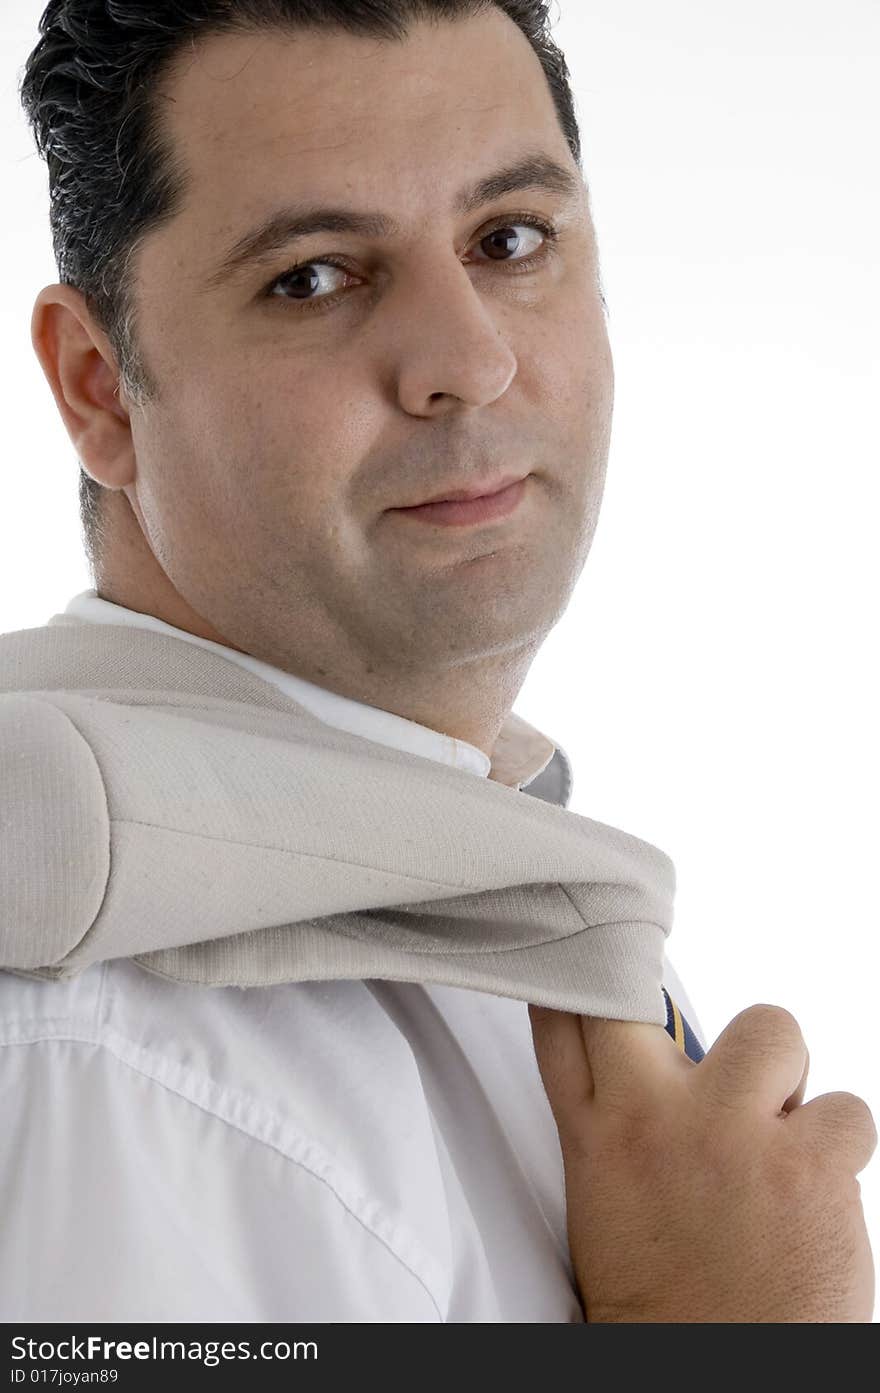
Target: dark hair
[(87, 93)]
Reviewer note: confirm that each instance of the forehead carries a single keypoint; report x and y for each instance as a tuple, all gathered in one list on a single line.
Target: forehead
[(255, 116)]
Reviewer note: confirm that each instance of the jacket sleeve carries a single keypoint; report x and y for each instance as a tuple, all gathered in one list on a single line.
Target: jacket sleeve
[(123, 1200)]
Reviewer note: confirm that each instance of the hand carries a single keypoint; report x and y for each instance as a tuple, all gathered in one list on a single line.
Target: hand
[(707, 1191)]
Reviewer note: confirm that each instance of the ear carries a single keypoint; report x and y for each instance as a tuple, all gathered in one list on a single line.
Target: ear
[(81, 369)]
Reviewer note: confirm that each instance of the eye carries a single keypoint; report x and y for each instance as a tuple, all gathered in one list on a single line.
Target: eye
[(306, 276)]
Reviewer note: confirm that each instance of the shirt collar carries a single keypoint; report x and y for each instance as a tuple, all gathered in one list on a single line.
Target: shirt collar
[(521, 756)]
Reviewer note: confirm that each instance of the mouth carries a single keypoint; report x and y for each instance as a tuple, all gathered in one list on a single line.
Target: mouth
[(485, 488), (460, 510)]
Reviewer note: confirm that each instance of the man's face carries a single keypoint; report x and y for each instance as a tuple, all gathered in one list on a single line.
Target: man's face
[(295, 411)]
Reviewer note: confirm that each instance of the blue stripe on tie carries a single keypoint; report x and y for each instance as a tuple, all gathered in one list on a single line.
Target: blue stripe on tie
[(678, 1028)]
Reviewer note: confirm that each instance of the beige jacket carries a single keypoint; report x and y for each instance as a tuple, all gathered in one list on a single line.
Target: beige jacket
[(161, 803)]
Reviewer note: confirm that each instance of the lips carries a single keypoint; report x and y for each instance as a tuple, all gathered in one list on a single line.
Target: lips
[(463, 512), (476, 490)]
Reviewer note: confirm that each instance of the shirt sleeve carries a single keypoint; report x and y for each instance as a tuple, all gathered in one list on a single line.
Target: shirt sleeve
[(122, 1200)]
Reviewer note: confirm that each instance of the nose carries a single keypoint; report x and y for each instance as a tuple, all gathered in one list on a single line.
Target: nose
[(448, 344)]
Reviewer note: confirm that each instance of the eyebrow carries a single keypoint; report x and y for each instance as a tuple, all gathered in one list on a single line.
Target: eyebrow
[(535, 171)]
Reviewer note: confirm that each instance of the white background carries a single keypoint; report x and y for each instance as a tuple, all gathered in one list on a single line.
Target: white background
[(714, 678)]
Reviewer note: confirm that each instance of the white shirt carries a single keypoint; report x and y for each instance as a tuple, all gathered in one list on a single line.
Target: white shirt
[(343, 1151)]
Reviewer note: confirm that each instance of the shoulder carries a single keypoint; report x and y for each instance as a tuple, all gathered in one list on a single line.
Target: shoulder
[(318, 1073), (308, 1066), (246, 1131)]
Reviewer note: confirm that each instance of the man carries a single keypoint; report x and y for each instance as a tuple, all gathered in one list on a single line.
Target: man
[(261, 424)]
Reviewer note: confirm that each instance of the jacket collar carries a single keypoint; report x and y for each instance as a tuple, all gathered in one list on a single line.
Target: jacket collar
[(522, 757), (165, 804)]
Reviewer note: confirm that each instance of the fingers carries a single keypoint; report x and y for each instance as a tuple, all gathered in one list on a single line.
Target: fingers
[(582, 1058), (836, 1127), (629, 1059), (760, 1060), (562, 1059), (798, 1096)]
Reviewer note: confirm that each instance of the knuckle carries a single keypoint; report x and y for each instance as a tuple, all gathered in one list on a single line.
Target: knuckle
[(759, 1034), (775, 1022), (852, 1113), (754, 1042)]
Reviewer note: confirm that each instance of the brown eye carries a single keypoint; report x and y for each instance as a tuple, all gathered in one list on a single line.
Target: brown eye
[(500, 240), (304, 280), (305, 273)]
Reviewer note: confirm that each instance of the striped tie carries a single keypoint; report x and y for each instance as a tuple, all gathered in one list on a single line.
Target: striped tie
[(680, 1031)]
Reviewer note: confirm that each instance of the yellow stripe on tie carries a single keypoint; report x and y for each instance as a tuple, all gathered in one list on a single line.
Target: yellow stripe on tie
[(679, 1028)]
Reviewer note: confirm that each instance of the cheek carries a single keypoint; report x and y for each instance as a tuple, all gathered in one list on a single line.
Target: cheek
[(283, 405), (283, 430), (571, 366), (313, 432)]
